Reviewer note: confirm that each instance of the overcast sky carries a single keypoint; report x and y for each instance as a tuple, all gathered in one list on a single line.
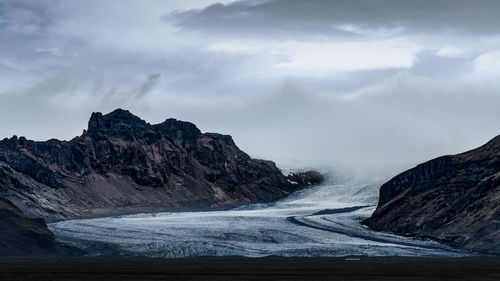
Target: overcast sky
[(373, 87)]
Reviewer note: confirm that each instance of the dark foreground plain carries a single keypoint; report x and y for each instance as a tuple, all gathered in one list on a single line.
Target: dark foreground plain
[(236, 268)]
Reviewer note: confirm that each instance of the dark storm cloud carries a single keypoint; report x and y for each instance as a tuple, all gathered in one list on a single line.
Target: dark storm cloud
[(289, 18)]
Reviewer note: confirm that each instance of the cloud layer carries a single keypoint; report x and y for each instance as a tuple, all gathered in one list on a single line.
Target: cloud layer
[(369, 87)]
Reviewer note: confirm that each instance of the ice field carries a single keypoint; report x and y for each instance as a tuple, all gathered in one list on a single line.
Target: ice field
[(319, 221)]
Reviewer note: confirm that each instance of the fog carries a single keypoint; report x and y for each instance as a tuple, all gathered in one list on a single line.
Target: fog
[(366, 88)]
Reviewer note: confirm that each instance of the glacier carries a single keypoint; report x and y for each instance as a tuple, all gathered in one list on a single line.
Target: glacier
[(318, 221)]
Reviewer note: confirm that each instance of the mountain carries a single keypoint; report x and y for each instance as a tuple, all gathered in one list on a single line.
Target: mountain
[(122, 164), (23, 235), (455, 199)]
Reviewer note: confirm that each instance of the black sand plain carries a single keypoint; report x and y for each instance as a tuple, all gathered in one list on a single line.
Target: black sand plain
[(239, 268)]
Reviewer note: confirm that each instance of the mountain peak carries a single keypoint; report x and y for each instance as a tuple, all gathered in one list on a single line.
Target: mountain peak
[(121, 113), (172, 126), (124, 164), (114, 120)]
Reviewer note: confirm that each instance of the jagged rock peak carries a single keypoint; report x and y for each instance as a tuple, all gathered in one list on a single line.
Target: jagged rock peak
[(118, 118), (123, 164), (172, 126), (98, 121)]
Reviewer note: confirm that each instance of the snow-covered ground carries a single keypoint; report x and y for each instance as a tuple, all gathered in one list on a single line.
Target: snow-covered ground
[(320, 221)]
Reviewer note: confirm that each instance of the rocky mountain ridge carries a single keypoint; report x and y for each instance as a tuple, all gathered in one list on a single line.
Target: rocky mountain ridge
[(122, 164), (454, 198)]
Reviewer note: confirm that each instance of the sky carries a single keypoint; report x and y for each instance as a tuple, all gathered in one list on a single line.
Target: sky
[(369, 88)]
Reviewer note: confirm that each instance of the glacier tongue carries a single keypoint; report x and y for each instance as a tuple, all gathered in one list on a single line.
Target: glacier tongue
[(319, 221)]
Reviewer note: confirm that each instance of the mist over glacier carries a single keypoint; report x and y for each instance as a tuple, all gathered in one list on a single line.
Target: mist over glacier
[(320, 221)]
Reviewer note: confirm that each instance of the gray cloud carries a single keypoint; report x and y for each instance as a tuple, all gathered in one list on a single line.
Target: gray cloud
[(369, 87), (290, 18), (396, 125), (149, 84)]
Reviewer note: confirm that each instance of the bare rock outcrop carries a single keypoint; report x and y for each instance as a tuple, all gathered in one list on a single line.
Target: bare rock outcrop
[(122, 164), (455, 199)]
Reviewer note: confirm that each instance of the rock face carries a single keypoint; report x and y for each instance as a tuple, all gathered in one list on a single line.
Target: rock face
[(23, 235), (306, 178), (455, 199), (122, 164)]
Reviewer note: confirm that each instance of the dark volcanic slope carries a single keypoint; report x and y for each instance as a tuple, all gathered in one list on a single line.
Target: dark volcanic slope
[(123, 164), (452, 198), (21, 234)]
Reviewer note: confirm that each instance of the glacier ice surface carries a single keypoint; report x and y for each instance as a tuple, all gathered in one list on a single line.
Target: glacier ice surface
[(319, 221)]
